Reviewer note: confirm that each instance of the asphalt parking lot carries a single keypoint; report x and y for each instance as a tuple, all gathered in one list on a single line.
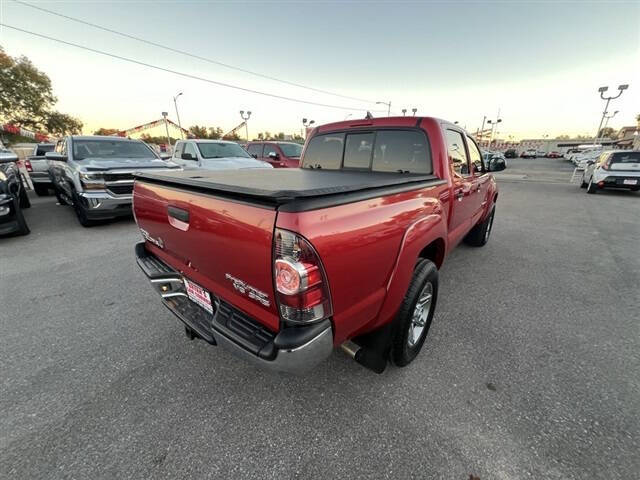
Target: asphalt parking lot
[(531, 369)]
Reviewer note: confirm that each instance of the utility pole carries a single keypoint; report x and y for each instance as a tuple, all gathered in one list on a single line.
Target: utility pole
[(175, 103), (246, 122), (166, 126), (601, 90)]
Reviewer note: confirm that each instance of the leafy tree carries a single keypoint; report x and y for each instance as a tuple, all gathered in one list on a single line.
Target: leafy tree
[(145, 137), (27, 99), (563, 137), (232, 136), (607, 133), (106, 131), (215, 133), (198, 132)]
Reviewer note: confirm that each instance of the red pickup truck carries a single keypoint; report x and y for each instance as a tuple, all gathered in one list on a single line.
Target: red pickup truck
[(283, 265)]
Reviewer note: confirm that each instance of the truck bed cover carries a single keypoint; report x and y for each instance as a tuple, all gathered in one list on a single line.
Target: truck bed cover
[(283, 185)]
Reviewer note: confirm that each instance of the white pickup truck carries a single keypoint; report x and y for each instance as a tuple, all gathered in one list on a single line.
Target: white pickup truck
[(214, 155)]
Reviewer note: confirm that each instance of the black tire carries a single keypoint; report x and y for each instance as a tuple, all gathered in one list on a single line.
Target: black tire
[(81, 213), (479, 235), (591, 188), (41, 190), (23, 228), (403, 350), (24, 197), (583, 184)]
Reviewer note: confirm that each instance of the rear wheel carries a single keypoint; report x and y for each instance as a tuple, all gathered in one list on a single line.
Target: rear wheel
[(583, 184), (591, 188), (415, 314)]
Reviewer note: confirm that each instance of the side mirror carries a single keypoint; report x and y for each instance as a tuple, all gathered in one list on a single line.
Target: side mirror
[(187, 156), (58, 157), (274, 155), (254, 155)]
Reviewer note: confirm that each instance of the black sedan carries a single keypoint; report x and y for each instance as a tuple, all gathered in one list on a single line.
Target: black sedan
[(13, 196)]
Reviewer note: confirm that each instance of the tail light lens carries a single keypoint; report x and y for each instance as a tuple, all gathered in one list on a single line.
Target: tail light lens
[(302, 289), (27, 164)]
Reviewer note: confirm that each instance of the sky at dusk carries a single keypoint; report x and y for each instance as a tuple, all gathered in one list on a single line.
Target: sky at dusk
[(539, 63)]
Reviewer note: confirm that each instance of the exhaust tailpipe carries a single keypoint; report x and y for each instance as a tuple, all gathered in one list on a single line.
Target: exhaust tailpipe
[(366, 357)]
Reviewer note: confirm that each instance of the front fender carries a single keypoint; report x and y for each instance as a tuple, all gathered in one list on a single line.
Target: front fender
[(419, 235)]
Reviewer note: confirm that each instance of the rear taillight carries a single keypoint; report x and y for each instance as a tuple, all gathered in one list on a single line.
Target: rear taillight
[(27, 164), (605, 165), (302, 289)]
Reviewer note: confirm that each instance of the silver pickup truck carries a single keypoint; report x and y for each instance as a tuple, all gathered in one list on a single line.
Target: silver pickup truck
[(94, 174), (38, 169)]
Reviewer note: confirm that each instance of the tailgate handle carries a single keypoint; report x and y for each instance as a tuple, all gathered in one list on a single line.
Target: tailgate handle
[(178, 214)]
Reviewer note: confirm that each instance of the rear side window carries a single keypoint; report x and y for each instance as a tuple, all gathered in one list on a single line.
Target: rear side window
[(42, 149), (401, 150), (625, 157), (325, 151), (255, 149), (177, 153), (457, 154)]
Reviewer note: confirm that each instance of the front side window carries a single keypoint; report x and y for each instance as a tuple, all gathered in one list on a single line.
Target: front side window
[(357, 151), (475, 157), (325, 151), (255, 149), (221, 150), (457, 154), (270, 148), (189, 149), (121, 149), (291, 150)]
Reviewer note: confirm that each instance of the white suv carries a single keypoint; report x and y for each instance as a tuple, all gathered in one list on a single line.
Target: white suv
[(613, 169)]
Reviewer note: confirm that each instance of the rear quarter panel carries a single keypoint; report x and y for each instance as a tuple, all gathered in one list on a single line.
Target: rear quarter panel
[(359, 244)]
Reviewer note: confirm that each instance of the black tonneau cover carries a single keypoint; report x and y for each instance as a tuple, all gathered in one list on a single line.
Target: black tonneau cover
[(283, 185)]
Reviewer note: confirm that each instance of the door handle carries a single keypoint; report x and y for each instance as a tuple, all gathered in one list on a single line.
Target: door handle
[(178, 218)]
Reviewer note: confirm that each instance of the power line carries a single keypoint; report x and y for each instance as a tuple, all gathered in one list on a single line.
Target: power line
[(182, 74), (182, 52)]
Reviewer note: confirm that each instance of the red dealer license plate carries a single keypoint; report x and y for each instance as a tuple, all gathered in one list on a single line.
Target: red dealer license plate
[(198, 295)]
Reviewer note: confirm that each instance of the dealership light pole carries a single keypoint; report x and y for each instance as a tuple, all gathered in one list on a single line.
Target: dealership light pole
[(404, 112), (608, 117), (388, 104), (621, 89), (175, 103), (493, 123), (166, 126), (246, 117)]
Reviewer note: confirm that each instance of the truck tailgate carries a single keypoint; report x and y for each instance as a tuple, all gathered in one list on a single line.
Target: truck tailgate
[(217, 243)]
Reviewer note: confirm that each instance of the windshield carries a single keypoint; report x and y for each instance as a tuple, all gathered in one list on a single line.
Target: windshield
[(291, 149), (83, 149), (221, 150)]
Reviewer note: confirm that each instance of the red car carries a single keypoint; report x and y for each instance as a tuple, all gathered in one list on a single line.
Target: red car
[(278, 154), (554, 154), (284, 265)]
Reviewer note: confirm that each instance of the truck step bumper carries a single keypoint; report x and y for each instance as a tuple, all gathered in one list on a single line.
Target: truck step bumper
[(294, 350)]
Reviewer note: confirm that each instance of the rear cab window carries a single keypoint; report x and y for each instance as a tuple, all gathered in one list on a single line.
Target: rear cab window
[(380, 150)]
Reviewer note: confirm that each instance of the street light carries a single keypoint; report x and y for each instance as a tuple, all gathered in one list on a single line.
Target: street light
[(175, 103), (601, 90), (246, 123), (404, 112), (493, 123), (388, 104), (414, 110), (608, 117), (166, 126)]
